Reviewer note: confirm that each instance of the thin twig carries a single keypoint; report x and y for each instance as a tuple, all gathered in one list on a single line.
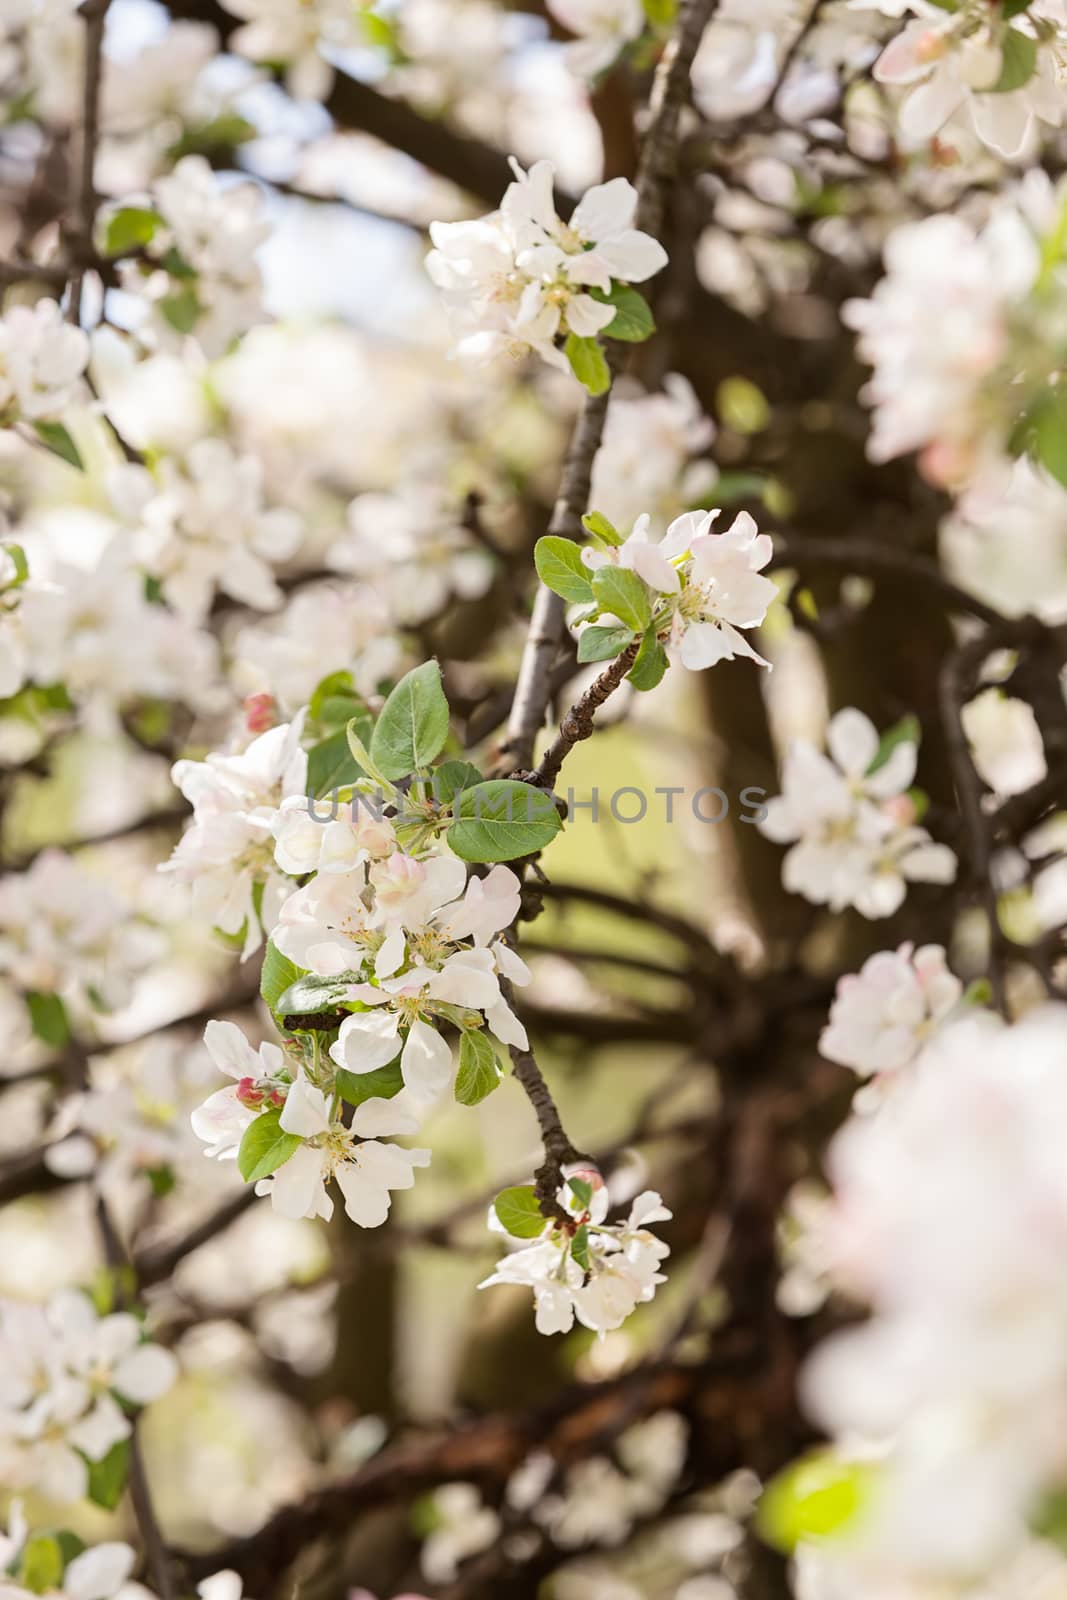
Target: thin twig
[(94, 13), (578, 723)]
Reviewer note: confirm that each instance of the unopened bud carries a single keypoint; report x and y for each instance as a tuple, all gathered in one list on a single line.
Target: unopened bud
[(901, 810), (259, 712), (249, 1094)]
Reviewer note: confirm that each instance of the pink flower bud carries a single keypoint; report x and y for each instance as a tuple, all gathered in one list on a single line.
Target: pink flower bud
[(901, 810), (249, 1094), (259, 712)]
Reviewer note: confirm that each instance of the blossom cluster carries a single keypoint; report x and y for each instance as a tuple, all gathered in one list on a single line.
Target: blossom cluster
[(947, 1217), (580, 1265), (69, 1380), (523, 280), (849, 817)]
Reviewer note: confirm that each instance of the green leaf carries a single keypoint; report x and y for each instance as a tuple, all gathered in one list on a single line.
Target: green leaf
[(40, 1564), (332, 693), (331, 765), (224, 132), (54, 436), (588, 363), (181, 309), (622, 592), (815, 1497), (979, 992), (650, 663), (633, 322), (518, 1212), (501, 820), (580, 1248), (381, 1084), (742, 406), (560, 568), (1014, 8), (278, 974), (22, 566), (48, 1018), (478, 1073), (660, 13), (1051, 435), (413, 725), (130, 229), (357, 744), (603, 644), (451, 778), (906, 731), (1019, 62), (162, 1180), (107, 1477), (310, 993), (581, 1190), (596, 523), (265, 1147)]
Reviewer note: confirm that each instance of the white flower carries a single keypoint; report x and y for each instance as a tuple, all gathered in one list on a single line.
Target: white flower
[(643, 463), (518, 279), (227, 852), (710, 583), (413, 545), (949, 1218), (204, 528), (1005, 740), (292, 31), (948, 59), (365, 1170), (323, 628), (1005, 540), (602, 29), (310, 838), (847, 820), (63, 931), (883, 1015), (42, 359), (938, 328), (620, 1269), (216, 229), (64, 1369), (463, 1526)]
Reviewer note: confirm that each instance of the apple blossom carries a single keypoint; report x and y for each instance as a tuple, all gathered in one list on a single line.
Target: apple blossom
[(42, 360), (292, 31), (645, 458), (596, 1272), (841, 814), (1004, 70), (64, 1370), (883, 1015), (414, 547), (518, 279), (602, 29)]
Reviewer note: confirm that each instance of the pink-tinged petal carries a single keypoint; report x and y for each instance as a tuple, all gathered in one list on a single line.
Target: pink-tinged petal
[(928, 108), (649, 562), (907, 58)]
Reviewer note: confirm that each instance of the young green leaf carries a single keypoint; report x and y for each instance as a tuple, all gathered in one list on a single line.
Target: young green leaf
[(22, 566), (588, 363), (478, 1073), (603, 644), (278, 974), (560, 568), (451, 778), (633, 321), (331, 765), (1018, 62), (48, 1018), (107, 1477), (580, 1248), (181, 309), (907, 731), (622, 592), (265, 1147), (54, 436), (518, 1212), (501, 820), (812, 1499), (581, 1189), (381, 1084), (1051, 435), (129, 229), (310, 994), (596, 523), (354, 733), (40, 1564), (413, 725), (650, 663)]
